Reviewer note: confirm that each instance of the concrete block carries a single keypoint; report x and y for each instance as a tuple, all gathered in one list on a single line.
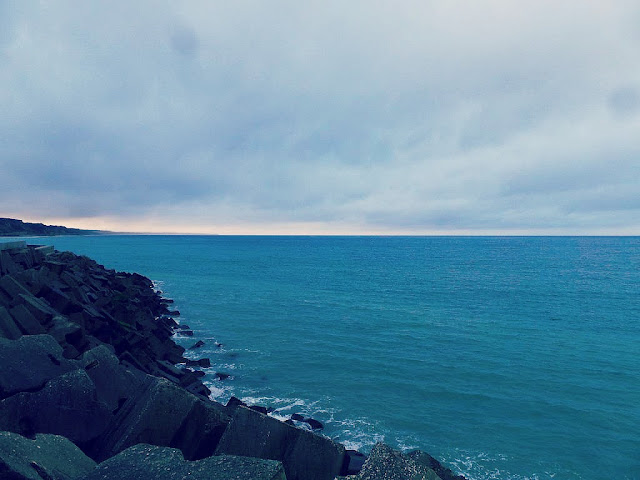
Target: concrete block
[(45, 457), (67, 406), (45, 249), (8, 327), (15, 245), (12, 287), (384, 463), (8, 265), (38, 308), (163, 463), (114, 382), (305, 455), (29, 362), (26, 321), (166, 415)]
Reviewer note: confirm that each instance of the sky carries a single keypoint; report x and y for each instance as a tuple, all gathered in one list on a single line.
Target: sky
[(322, 117)]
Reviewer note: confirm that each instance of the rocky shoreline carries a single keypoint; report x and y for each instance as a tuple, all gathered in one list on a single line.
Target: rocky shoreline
[(92, 386)]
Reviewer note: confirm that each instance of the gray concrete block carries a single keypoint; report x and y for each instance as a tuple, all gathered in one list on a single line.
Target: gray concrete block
[(160, 415), (38, 307), (67, 406), (304, 454), (26, 321), (46, 456), (9, 267), (144, 462), (8, 327), (45, 249), (384, 463), (14, 245), (29, 362), (114, 382), (12, 287)]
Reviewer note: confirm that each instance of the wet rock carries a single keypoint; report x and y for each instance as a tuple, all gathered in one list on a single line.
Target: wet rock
[(314, 424), (190, 377), (199, 390), (297, 417), (202, 363), (222, 376), (234, 402), (163, 463), (196, 345), (46, 456), (259, 409)]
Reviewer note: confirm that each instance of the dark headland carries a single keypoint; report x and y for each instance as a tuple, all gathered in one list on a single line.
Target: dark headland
[(92, 386), (11, 227)]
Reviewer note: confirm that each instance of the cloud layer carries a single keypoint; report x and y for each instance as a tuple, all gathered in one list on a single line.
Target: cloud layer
[(310, 117)]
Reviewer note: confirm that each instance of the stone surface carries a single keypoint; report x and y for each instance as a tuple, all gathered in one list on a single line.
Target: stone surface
[(313, 423), (25, 459), (8, 327), (29, 362), (305, 455), (67, 405), (27, 323), (8, 265), (114, 383), (144, 462), (384, 463), (38, 308), (353, 462), (44, 249), (166, 415), (12, 245), (12, 287), (202, 363), (198, 344), (427, 460)]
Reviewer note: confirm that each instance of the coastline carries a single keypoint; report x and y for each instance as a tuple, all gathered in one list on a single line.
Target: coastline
[(111, 334)]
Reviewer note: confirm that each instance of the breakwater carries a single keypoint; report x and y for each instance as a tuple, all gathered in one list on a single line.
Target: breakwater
[(90, 370)]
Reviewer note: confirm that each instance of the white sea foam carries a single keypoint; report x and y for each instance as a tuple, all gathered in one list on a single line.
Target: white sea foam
[(219, 391), (481, 466)]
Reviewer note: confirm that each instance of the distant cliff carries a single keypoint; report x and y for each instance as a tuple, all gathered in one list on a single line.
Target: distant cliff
[(10, 227)]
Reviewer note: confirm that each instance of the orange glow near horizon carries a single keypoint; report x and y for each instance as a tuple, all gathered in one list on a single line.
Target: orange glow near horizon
[(159, 227)]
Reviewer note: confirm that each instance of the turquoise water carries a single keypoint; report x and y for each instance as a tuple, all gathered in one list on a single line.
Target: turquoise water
[(506, 357)]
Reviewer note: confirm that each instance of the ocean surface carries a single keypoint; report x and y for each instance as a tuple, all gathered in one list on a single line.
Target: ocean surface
[(505, 357)]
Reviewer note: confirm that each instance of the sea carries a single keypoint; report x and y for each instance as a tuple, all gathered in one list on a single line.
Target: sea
[(504, 357)]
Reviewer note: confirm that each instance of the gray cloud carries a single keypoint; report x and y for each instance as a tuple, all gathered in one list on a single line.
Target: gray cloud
[(625, 101), (368, 116)]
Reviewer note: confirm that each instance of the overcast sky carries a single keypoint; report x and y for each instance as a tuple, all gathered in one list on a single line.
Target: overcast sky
[(322, 117)]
